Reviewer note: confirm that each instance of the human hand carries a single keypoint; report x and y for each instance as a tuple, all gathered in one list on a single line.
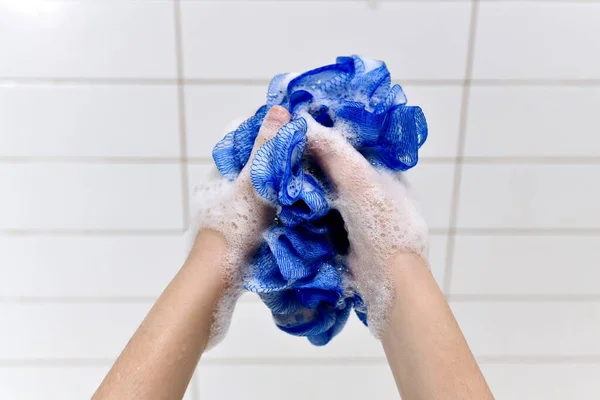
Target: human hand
[(233, 210), (379, 214)]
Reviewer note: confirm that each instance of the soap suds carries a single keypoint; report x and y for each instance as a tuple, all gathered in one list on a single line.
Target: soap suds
[(379, 214), (234, 209)]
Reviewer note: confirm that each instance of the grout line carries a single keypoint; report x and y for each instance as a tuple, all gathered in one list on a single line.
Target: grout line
[(429, 82), (88, 160), (446, 284), (56, 362), (466, 160), (121, 300), (432, 231), (575, 160), (228, 81), (9, 81), (437, 160), (182, 122), (298, 362), (293, 361), (535, 82), (527, 231), (523, 298), (200, 160), (508, 82), (92, 232), (253, 299), (550, 359), (194, 385)]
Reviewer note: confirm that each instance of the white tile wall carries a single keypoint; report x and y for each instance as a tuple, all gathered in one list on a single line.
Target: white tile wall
[(88, 120), (53, 382), (442, 104), (539, 265), (543, 381), (106, 127), (87, 39), (103, 266), (529, 196), (533, 121), (67, 330), (415, 37), (541, 40), (67, 196)]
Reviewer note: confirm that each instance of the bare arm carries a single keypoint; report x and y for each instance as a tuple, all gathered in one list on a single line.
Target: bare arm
[(160, 358), (425, 348)]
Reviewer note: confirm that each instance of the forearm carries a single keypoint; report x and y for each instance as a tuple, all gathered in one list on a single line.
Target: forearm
[(159, 360), (426, 350)]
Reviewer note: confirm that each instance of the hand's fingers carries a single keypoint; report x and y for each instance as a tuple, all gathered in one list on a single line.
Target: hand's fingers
[(276, 118), (343, 164)]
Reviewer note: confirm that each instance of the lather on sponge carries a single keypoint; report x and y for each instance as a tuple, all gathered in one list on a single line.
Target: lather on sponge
[(300, 268)]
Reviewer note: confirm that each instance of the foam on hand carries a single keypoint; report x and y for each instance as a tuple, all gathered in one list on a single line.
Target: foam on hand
[(300, 268)]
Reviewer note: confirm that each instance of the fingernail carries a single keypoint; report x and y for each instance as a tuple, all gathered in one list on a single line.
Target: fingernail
[(278, 114)]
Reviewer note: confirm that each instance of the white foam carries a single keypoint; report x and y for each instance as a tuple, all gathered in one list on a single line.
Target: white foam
[(379, 214), (234, 210)]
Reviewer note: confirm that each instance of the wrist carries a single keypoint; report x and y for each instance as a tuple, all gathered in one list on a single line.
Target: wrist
[(207, 257)]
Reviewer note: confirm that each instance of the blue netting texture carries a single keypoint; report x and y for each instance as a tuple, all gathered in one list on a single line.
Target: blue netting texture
[(300, 270)]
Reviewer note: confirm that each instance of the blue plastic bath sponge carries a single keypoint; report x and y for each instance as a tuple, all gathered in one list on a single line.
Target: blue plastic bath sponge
[(299, 270)]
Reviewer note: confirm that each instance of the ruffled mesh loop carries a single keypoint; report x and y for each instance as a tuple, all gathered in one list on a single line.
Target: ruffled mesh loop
[(299, 270)]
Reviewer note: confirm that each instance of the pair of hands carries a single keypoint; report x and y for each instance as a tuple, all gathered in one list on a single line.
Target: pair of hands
[(424, 346), (379, 214)]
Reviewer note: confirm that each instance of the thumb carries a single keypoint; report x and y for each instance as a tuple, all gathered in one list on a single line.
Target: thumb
[(345, 167), (275, 119)]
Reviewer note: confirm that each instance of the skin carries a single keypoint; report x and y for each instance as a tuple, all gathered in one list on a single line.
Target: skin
[(160, 359), (425, 348)]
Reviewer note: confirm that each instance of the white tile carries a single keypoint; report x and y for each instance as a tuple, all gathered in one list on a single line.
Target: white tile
[(199, 174), (533, 121), (529, 196), (431, 184), (33, 331), (548, 382), (210, 110), (441, 105), (208, 120), (81, 120), (93, 266), (537, 40), (542, 329), (52, 382), (432, 187), (437, 257), (100, 331), (417, 40), (90, 196), (253, 334), (523, 265), (63, 39), (296, 382)]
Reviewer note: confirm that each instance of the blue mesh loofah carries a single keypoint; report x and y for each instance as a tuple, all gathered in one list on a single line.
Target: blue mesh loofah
[(299, 271)]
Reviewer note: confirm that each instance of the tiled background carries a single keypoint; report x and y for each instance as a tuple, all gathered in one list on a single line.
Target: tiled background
[(109, 110)]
